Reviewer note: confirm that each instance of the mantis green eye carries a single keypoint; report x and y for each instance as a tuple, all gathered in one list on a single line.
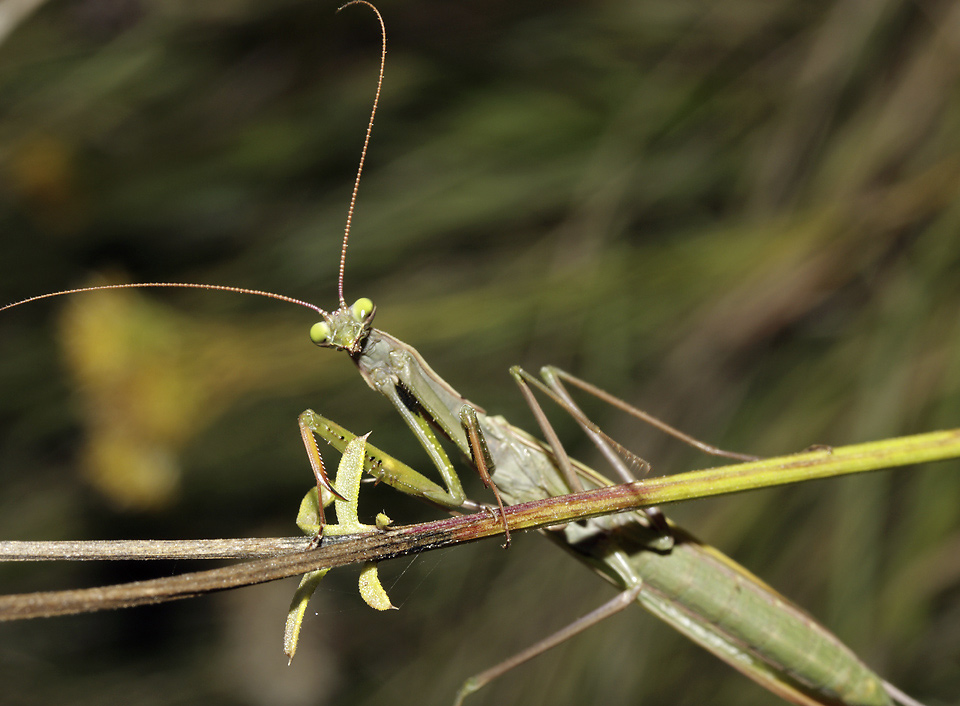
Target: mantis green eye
[(320, 332), (361, 308)]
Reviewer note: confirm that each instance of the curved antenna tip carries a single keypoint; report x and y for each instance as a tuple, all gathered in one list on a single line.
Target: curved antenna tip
[(366, 143)]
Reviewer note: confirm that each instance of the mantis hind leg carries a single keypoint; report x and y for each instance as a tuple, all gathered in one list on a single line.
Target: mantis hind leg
[(611, 607), (555, 377), (616, 454), (619, 457)]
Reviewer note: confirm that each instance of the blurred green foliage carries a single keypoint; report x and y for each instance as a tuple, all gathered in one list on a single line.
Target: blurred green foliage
[(741, 216)]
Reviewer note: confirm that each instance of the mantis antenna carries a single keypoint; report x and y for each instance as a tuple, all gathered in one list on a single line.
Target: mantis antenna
[(182, 285), (366, 142), (258, 292)]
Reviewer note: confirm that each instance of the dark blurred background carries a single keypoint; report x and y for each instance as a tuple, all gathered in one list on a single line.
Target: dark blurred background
[(741, 216)]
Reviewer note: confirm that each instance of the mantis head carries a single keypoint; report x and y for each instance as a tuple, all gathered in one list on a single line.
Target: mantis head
[(345, 328)]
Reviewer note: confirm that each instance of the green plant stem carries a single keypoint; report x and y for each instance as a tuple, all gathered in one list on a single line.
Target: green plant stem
[(339, 551)]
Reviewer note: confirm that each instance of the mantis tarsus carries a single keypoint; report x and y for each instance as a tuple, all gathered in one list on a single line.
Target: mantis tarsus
[(434, 413)]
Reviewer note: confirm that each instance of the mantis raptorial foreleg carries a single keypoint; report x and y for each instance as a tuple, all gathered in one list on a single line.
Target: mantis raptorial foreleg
[(408, 480), (310, 521), (319, 471), (382, 466), (358, 457)]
